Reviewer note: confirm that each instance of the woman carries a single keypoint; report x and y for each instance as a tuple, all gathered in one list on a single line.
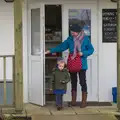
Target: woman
[(77, 43)]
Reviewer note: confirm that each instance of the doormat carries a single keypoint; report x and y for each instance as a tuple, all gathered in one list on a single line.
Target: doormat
[(94, 104), (22, 118)]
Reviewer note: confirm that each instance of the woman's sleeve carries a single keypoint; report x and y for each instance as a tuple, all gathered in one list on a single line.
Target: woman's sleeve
[(61, 47), (89, 49)]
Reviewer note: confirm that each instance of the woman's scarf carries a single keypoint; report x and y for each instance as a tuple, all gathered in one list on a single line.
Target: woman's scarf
[(77, 43)]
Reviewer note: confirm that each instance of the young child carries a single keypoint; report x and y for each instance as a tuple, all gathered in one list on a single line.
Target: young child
[(58, 82)]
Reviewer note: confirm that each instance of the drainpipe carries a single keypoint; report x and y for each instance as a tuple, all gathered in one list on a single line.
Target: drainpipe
[(118, 55), (18, 55)]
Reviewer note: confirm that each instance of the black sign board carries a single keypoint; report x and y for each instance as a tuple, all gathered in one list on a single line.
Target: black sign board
[(109, 27)]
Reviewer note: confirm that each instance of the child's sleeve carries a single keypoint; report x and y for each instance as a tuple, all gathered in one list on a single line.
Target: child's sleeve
[(67, 77)]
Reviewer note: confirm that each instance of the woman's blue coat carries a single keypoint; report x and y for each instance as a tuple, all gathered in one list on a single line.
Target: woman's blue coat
[(86, 48)]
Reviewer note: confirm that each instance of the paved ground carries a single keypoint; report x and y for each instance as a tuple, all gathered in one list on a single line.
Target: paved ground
[(49, 112)]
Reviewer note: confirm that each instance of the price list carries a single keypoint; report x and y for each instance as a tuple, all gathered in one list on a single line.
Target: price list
[(109, 26)]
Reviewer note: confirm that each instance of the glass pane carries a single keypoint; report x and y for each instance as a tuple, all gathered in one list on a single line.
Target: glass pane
[(35, 31), (81, 17)]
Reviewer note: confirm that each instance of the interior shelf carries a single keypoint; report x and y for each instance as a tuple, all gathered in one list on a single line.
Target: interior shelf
[(53, 37), (53, 41), (48, 76), (51, 57)]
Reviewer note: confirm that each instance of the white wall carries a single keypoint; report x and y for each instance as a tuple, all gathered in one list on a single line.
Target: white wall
[(7, 41), (6, 28), (6, 37), (107, 59)]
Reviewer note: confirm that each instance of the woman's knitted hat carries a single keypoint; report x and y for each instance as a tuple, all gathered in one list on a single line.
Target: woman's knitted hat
[(75, 28)]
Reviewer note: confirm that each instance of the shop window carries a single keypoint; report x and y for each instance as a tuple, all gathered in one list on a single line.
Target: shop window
[(82, 17)]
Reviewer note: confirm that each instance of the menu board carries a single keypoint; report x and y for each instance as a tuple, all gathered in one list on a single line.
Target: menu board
[(109, 25)]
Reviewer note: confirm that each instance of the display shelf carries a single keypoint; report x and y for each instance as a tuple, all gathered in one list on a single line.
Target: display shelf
[(51, 57), (48, 76), (53, 41)]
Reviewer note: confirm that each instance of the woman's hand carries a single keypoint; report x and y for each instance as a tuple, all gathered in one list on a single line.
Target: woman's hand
[(80, 53), (47, 52)]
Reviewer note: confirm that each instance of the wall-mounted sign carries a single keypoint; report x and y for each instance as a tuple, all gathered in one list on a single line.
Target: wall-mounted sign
[(109, 25)]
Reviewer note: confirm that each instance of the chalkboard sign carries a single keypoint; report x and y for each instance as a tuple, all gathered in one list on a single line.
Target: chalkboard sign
[(109, 27)]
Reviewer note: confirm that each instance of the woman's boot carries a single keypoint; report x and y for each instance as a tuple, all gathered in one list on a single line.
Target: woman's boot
[(84, 99), (74, 95)]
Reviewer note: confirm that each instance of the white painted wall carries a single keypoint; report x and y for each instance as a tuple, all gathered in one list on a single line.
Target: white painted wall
[(6, 28), (107, 59), (6, 37), (7, 41)]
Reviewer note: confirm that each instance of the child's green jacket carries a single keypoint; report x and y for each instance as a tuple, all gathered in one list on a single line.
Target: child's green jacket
[(59, 79)]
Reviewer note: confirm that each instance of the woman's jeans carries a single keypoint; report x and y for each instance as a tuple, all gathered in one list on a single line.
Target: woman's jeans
[(82, 80)]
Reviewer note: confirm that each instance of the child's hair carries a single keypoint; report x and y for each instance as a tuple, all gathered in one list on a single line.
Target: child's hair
[(60, 60)]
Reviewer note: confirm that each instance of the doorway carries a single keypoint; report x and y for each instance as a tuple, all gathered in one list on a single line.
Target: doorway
[(53, 37)]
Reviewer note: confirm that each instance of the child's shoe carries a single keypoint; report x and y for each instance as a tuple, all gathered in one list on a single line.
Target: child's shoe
[(59, 108)]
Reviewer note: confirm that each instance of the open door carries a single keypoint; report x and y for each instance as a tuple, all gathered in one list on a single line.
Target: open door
[(36, 55)]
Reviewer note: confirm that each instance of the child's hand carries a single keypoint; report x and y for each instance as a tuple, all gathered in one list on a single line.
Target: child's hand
[(63, 82)]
